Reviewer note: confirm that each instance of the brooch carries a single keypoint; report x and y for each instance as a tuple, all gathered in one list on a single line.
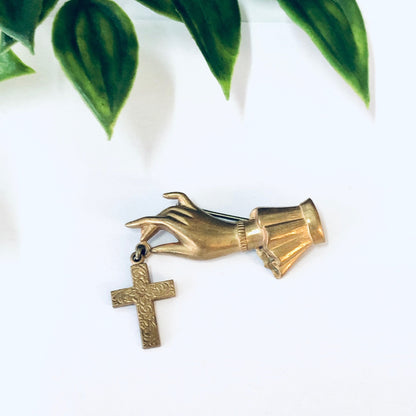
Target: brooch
[(279, 235)]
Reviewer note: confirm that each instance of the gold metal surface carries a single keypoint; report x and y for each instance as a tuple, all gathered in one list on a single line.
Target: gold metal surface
[(288, 233), (143, 294), (280, 235)]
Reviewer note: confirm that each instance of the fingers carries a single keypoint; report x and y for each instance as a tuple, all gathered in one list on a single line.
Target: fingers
[(177, 217), (162, 223), (184, 211), (150, 231), (168, 219), (182, 199), (171, 248)]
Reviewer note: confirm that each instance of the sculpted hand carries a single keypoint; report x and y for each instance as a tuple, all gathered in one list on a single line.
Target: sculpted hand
[(200, 236)]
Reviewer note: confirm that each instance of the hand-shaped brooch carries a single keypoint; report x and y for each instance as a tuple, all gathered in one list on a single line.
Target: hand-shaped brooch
[(280, 236)]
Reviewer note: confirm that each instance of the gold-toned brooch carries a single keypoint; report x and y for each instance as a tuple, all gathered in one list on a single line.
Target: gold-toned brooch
[(280, 236)]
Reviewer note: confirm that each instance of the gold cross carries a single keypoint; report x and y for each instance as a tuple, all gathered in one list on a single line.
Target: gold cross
[(143, 294)]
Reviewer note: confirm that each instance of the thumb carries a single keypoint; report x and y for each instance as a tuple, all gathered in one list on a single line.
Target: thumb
[(171, 248)]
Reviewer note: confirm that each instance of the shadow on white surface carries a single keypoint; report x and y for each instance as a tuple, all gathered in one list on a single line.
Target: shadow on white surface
[(8, 230), (242, 69), (149, 110), (372, 80)]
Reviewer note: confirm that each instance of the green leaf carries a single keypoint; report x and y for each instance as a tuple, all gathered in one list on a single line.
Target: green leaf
[(96, 44), (18, 19), (337, 28), (47, 6), (165, 7), (11, 66), (6, 42), (215, 26)]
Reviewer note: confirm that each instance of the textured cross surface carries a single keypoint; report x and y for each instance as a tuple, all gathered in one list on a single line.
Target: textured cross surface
[(143, 294)]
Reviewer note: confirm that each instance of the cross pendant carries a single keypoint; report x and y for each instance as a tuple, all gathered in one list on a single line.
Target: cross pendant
[(143, 294)]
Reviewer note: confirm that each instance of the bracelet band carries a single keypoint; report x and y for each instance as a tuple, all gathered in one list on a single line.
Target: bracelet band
[(242, 238)]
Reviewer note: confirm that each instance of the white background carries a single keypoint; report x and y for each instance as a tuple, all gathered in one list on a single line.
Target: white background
[(336, 336)]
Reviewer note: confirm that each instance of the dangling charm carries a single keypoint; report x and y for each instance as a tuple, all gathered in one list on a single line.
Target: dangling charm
[(143, 293)]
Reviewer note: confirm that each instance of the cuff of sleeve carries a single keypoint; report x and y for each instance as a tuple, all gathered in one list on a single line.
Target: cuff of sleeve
[(250, 235)]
